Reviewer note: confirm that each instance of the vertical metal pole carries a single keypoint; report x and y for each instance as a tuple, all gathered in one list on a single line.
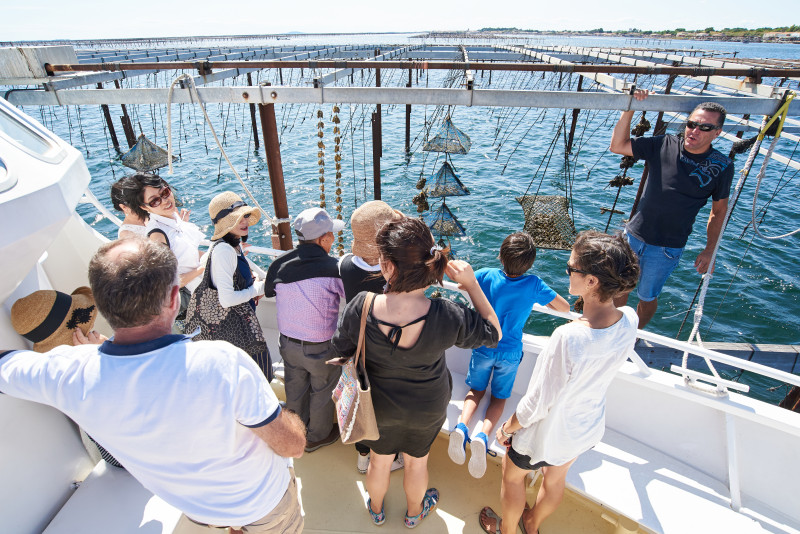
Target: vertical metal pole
[(376, 157), (378, 108), (127, 127), (272, 148), (408, 118), (575, 113), (109, 122), (253, 114)]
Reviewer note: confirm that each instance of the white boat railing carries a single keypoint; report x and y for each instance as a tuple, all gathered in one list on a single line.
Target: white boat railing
[(719, 383)]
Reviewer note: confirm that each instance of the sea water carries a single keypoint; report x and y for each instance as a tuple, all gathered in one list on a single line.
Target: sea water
[(754, 294)]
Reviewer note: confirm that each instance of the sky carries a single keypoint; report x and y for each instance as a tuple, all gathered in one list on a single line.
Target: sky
[(93, 19)]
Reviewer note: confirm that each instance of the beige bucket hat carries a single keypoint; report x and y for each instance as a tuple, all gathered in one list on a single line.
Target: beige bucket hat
[(227, 210), (365, 223)]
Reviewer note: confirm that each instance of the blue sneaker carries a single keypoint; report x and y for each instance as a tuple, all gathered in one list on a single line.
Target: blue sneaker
[(428, 505), (378, 519), (477, 461), (457, 449)]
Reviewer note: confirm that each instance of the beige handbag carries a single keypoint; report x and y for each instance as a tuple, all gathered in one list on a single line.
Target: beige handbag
[(352, 395)]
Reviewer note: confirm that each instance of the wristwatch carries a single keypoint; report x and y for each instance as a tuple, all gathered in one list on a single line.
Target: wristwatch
[(503, 431)]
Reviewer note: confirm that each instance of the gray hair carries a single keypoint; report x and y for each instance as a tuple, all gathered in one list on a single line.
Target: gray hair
[(130, 287), (716, 108)]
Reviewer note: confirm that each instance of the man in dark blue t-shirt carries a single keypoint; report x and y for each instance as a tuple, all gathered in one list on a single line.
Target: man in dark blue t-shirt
[(683, 174)]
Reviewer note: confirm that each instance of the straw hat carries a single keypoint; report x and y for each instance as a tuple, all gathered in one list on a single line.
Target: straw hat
[(226, 211), (49, 318), (365, 223)]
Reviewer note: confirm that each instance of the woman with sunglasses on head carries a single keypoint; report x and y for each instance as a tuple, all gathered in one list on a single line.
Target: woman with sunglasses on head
[(562, 414), (153, 200), (406, 337), (224, 304)]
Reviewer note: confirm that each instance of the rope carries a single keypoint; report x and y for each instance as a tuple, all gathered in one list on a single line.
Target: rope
[(782, 111), (196, 95)]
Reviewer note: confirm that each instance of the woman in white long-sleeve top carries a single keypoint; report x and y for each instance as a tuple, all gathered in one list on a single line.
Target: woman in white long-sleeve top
[(562, 414), (223, 305)]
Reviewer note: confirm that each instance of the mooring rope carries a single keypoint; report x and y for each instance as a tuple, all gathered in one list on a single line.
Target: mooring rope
[(196, 95)]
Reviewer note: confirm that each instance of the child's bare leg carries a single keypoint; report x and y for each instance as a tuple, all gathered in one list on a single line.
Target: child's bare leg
[(493, 414), (471, 402)]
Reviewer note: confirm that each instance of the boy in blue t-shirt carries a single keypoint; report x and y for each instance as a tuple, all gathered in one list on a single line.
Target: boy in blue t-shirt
[(512, 294)]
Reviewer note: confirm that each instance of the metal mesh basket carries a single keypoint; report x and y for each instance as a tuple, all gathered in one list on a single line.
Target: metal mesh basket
[(145, 156), (547, 220), (449, 139), (442, 222), (446, 183)]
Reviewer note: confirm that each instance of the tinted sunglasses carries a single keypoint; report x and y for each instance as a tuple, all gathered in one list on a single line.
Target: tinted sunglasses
[(704, 126), (571, 270), (162, 195)]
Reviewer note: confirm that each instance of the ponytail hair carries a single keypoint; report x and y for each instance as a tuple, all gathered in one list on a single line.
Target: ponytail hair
[(608, 258), (409, 245)]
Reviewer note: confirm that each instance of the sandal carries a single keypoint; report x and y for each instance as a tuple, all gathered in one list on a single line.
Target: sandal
[(428, 505), (522, 520), (378, 519), (483, 518)]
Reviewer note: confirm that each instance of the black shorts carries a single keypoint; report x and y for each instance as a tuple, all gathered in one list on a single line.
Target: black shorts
[(523, 461)]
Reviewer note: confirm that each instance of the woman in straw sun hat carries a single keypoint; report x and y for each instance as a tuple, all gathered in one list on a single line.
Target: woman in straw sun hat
[(224, 304)]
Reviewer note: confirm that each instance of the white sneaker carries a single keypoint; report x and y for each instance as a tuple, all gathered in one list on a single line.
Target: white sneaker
[(398, 463), (477, 462), (456, 448), (363, 463)]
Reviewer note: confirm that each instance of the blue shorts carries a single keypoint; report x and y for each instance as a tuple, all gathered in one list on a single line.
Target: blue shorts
[(656, 264), (500, 366)]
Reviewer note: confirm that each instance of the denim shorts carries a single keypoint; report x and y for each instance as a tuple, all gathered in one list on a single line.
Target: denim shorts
[(501, 367), (656, 264)]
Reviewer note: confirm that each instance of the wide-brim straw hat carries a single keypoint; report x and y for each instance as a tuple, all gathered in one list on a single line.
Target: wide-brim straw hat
[(227, 210), (49, 318), (365, 223)]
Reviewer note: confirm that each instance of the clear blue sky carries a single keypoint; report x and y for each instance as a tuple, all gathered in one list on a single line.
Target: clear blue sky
[(86, 19)]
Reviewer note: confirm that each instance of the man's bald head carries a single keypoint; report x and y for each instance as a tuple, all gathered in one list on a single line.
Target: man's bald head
[(131, 280)]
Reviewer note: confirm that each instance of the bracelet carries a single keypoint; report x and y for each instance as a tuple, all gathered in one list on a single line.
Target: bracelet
[(503, 431)]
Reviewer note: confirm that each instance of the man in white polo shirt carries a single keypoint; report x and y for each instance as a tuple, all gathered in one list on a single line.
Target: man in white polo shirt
[(195, 422)]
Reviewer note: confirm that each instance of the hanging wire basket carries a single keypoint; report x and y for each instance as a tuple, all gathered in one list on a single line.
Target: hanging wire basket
[(547, 220), (449, 139), (442, 222), (446, 183), (146, 156)]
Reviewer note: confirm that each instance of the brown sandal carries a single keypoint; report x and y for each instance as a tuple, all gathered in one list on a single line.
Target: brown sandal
[(485, 516)]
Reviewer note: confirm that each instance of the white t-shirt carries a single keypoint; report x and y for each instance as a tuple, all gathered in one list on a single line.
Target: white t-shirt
[(138, 229), (184, 240), (175, 413), (563, 411)]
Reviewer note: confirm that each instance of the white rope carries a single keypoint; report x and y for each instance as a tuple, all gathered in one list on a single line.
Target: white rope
[(760, 178), (194, 94), (698, 312)]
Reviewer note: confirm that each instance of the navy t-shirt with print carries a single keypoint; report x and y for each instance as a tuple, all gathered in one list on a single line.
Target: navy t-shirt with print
[(679, 183)]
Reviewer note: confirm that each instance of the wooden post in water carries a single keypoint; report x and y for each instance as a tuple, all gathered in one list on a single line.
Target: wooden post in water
[(127, 127), (282, 234), (376, 157), (253, 114), (109, 122), (408, 119), (575, 113), (378, 108)]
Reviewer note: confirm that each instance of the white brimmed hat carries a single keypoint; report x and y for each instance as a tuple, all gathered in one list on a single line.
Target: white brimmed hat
[(227, 210), (315, 222)]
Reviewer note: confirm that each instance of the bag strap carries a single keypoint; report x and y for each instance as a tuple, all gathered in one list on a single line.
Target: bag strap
[(361, 350)]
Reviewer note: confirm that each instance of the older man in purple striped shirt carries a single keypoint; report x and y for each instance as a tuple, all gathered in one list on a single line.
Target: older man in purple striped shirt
[(308, 289)]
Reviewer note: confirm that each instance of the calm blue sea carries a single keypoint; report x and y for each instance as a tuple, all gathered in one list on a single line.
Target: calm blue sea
[(754, 294)]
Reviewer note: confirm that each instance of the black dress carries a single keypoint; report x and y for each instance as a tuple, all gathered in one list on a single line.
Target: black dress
[(412, 387)]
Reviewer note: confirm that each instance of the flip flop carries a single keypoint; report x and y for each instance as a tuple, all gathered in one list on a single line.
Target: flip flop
[(488, 513), (522, 521)]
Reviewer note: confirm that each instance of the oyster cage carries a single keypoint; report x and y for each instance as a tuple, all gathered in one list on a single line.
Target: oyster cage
[(547, 220), (442, 222), (146, 156), (446, 183), (449, 139)]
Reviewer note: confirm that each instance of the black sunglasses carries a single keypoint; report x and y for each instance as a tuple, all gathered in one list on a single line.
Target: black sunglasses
[(704, 126), (162, 195), (571, 270)]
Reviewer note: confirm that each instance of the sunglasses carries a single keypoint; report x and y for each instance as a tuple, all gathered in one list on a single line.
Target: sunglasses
[(162, 195), (703, 126), (571, 270)]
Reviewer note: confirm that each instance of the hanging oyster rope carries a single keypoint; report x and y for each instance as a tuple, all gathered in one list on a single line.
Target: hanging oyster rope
[(321, 160), (337, 158), (195, 95)]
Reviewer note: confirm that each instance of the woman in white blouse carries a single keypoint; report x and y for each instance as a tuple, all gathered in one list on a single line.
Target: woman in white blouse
[(224, 304), (153, 200), (563, 412)]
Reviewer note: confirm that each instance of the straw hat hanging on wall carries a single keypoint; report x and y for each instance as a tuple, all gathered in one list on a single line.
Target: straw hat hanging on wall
[(49, 318)]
